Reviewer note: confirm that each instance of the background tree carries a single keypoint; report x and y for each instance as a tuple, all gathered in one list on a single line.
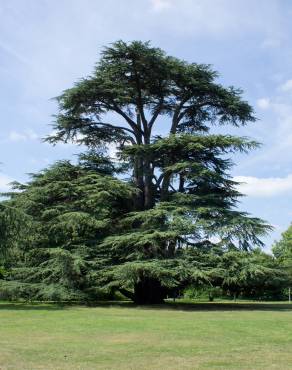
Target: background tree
[(283, 252), (254, 275), (239, 274), (283, 248)]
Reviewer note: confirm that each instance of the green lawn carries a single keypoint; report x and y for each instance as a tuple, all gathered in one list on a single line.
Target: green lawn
[(199, 336)]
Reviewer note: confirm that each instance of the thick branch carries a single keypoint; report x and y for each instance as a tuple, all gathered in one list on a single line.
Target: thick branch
[(140, 103), (116, 127), (132, 124), (198, 106), (175, 118), (156, 114), (126, 293)]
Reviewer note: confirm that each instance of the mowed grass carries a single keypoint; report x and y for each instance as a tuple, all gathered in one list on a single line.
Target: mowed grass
[(199, 336)]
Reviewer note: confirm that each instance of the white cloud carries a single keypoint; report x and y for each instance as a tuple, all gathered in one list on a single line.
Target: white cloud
[(263, 103), (159, 5), (4, 183), (16, 136), (112, 150), (71, 31), (264, 187), (279, 228), (40, 161), (274, 131), (220, 18), (27, 135), (272, 42), (286, 86)]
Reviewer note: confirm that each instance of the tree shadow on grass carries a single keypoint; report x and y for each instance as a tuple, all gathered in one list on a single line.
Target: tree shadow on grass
[(232, 306), (205, 306), (176, 306), (28, 306)]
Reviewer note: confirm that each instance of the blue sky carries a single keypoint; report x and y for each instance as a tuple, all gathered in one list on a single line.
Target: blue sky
[(46, 45)]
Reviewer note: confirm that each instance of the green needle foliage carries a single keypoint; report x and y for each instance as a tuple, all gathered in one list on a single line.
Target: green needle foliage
[(283, 248), (68, 211), (135, 223), (283, 252), (254, 275)]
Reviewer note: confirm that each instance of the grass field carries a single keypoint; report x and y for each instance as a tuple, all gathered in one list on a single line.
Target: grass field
[(199, 336)]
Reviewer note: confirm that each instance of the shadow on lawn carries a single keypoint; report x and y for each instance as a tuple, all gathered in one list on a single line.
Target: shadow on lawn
[(232, 306), (176, 306), (206, 306), (37, 306)]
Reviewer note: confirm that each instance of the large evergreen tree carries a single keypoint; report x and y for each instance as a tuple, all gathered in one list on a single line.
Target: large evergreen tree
[(158, 111)]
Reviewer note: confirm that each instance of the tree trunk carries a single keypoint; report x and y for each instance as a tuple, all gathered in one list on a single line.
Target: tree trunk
[(148, 191), (126, 293), (181, 183), (149, 291), (165, 186), (148, 174), (139, 171), (139, 182), (171, 248)]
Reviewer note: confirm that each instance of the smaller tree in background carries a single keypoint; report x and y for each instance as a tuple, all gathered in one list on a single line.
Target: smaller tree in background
[(239, 274), (283, 252), (252, 274), (283, 248)]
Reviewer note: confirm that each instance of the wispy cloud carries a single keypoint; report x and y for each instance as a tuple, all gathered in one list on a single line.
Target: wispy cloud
[(264, 187), (275, 112), (160, 5), (14, 53), (221, 18), (286, 86), (263, 103), (27, 135)]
